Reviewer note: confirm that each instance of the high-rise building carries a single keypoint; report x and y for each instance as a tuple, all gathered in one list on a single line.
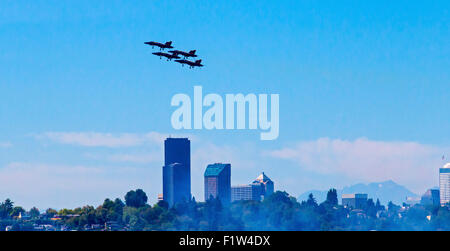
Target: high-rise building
[(355, 201), (267, 184), (218, 182), (444, 184), (177, 170), (259, 189), (431, 197), (247, 192)]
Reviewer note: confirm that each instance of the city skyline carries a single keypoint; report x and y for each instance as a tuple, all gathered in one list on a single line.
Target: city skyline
[(85, 106)]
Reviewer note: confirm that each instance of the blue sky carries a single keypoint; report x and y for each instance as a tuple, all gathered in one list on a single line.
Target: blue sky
[(84, 105)]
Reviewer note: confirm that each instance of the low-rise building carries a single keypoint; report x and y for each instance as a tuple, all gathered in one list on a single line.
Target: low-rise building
[(260, 188), (246, 192), (431, 197), (355, 201)]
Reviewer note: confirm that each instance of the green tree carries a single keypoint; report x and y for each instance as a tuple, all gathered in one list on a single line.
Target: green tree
[(51, 212), (136, 198), (16, 211), (370, 208), (311, 202), (332, 197), (118, 206), (392, 207), (163, 204), (34, 213), (6, 208)]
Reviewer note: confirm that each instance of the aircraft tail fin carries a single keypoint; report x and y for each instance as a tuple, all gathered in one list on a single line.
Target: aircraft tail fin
[(198, 61), (169, 43), (192, 52)]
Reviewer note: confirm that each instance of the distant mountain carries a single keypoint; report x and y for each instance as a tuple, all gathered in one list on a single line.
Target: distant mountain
[(385, 191)]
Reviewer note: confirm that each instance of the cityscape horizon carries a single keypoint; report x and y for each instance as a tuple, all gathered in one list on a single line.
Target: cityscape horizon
[(226, 207), (171, 158)]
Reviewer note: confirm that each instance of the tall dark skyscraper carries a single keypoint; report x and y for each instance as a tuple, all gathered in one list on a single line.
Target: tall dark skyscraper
[(218, 182), (177, 170)]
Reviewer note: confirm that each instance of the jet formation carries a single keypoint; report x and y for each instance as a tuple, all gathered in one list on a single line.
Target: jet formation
[(161, 46), (175, 54)]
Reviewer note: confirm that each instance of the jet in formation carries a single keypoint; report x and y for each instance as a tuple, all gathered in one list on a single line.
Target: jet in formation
[(175, 54), (166, 55), (167, 45), (185, 54), (191, 64)]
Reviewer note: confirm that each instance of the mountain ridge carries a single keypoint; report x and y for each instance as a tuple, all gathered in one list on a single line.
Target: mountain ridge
[(384, 191)]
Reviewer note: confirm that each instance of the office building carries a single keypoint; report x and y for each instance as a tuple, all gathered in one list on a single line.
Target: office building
[(355, 201), (247, 192), (177, 170), (218, 182), (267, 184), (431, 197), (444, 184)]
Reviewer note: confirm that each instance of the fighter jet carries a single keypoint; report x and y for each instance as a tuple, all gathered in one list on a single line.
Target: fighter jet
[(166, 55), (161, 46), (185, 54), (190, 63)]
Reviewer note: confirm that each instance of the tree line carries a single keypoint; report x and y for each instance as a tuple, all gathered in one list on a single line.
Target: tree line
[(279, 211)]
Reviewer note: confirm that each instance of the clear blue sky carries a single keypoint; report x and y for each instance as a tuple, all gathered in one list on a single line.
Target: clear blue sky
[(345, 70)]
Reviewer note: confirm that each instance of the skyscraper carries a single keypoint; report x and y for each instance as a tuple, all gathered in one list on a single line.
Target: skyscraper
[(177, 170), (218, 182), (444, 184), (267, 184)]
